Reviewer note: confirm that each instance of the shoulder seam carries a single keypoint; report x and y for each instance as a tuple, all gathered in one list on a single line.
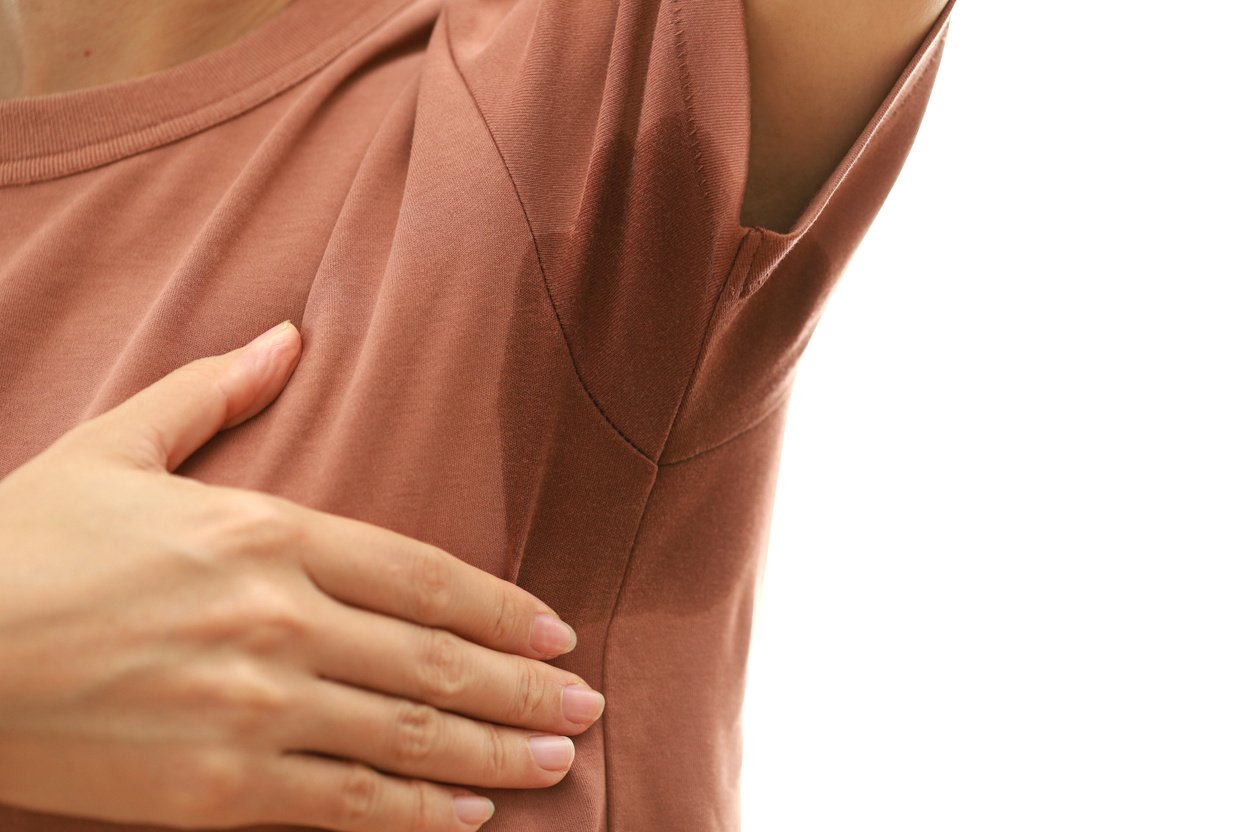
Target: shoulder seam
[(686, 94)]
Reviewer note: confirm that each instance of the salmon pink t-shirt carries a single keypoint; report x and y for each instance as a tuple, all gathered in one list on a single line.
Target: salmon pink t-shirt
[(536, 334)]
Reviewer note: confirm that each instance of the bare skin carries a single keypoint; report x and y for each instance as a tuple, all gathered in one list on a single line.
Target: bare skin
[(50, 47), (244, 563), (818, 70), (192, 653)]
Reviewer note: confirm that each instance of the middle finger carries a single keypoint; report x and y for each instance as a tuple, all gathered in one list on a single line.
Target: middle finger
[(371, 650), (415, 739)]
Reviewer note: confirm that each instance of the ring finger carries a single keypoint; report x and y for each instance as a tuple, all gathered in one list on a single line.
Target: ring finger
[(374, 651), (415, 739)]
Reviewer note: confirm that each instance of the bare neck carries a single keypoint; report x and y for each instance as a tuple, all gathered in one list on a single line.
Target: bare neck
[(72, 44)]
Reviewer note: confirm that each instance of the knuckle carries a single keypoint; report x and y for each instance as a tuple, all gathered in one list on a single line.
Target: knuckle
[(200, 378), (214, 782), (430, 581), (416, 733), (252, 524), (245, 699), (359, 798), (270, 619), (149, 443), (496, 754), (506, 620), (530, 694), (205, 374), (255, 614), (423, 814), (444, 665)]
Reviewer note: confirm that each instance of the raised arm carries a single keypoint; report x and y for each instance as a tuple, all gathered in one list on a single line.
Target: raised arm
[(818, 71)]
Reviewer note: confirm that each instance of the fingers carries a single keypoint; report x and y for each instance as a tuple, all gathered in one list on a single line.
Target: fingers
[(377, 569), (167, 421), (415, 739), (344, 796), (384, 654)]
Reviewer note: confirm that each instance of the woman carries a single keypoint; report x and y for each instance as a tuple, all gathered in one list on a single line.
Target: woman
[(546, 331)]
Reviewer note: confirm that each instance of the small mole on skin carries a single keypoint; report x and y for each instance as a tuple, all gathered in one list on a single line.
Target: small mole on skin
[(86, 53)]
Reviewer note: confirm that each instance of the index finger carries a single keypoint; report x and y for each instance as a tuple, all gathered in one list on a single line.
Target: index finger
[(381, 570)]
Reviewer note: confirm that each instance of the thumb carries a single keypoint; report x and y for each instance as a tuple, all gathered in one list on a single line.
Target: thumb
[(164, 423)]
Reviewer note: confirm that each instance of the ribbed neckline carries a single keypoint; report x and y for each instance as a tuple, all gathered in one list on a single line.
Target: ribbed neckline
[(47, 136)]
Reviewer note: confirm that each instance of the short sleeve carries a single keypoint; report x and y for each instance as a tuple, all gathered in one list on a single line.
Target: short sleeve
[(624, 128)]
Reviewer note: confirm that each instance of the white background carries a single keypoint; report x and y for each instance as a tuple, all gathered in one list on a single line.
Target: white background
[(1007, 587)]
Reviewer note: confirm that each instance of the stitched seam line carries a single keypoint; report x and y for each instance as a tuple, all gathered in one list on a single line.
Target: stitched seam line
[(686, 90), (715, 316), (720, 301), (190, 123), (751, 282), (628, 564), (756, 423), (606, 641), (892, 108), (540, 265), (687, 97)]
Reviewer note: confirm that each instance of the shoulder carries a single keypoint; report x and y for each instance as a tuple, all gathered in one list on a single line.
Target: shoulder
[(818, 71)]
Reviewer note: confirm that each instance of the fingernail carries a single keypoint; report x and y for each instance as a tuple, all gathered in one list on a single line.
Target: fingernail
[(550, 635), (552, 753), (582, 704), (271, 337), (471, 808)]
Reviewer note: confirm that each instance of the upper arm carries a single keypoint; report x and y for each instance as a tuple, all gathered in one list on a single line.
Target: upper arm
[(623, 128), (818, 72)]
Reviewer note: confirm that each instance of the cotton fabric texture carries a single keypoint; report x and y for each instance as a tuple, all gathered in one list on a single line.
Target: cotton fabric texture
[(535, 333)]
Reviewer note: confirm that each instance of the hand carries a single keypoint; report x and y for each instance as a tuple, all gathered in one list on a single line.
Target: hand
[(186, 654)]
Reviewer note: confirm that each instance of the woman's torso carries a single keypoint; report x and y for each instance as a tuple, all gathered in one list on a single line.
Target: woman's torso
[(534, 333)]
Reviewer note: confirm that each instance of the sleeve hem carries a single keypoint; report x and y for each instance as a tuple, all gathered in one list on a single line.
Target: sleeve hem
[(764, 248)]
